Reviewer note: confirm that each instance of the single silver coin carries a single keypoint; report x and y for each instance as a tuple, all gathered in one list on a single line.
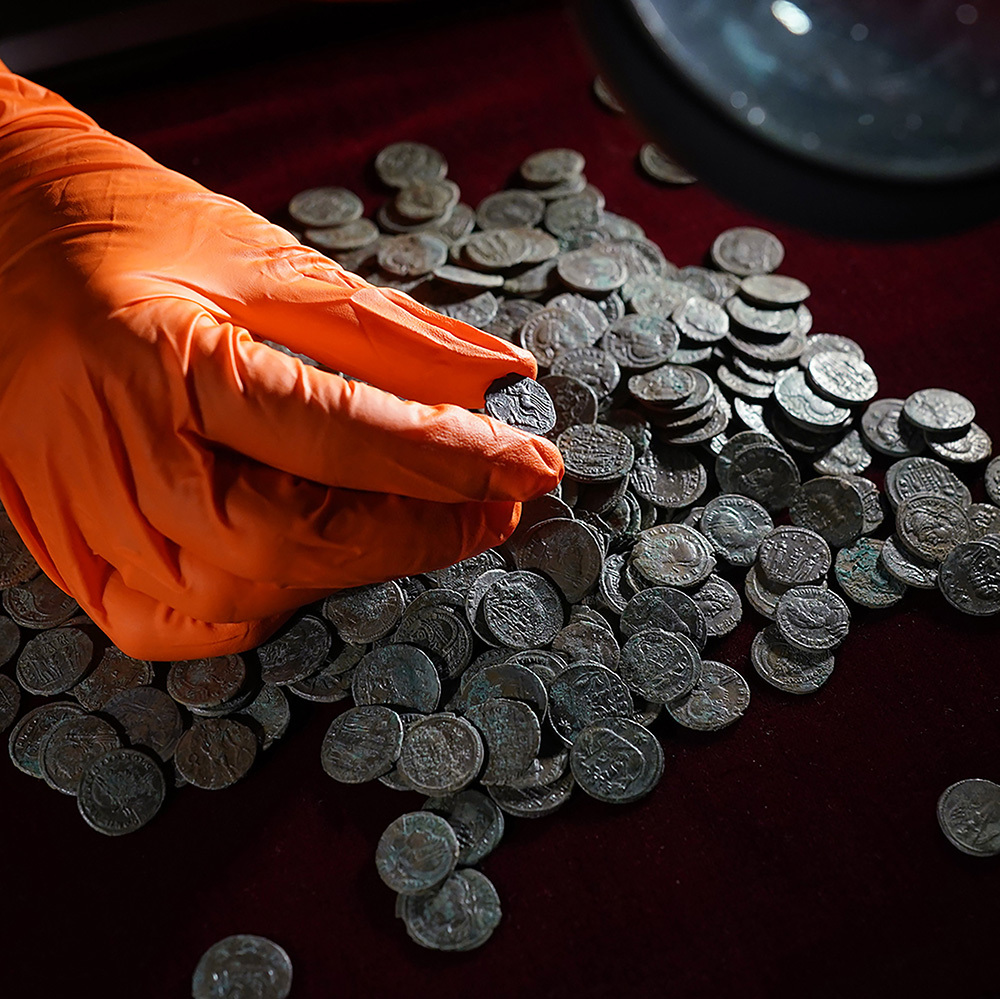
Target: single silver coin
[(38, 603), (459, 916), (71, 747), (984, 518), (28, 735), (670, 477), (884, 429), (522, 403), (476, 820), (812, 619), (830, 506), (735, 525), (322, 207), (426, 200), (844, 379), (215, 753), (120, 792), (243, 965), (762, 596), (665, 609), (416, 852), (746, 250), (805, 407), (53, 661), (585, 693), (362, 743), (672, 555), (912, 476), (720, 604), (849, 456), (397, 675), (616, 760), (402, 163), (720, 697), (819, 342), (592, 366), (969, 449), (522, 610), (565, 551), (536, 800), (793, 556), (512, 735), (861, 575), (765, 473), (773, 324), (905, 567), (113, 674), (596, 452), (774, 291), (549, 166), (510, 209), (364, 613), (991, 479), (969, 578), (206, 683), (297, 651), (935, 410), (930, 526), (969, 815), (787, 668), (660, 666), (268, 714), (701, 320), (441, 754), (359, 234), (10, 701), (659, 166)]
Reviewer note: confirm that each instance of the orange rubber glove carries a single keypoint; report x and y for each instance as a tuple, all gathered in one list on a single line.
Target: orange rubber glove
[(188, 485)]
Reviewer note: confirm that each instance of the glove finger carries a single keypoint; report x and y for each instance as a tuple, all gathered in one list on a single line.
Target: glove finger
[(299, 298), (270, 407)]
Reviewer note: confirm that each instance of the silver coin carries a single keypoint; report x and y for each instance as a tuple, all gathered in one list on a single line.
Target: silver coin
[(565, 551), (332, 681), (113, 674), (426, 200), (842, 378), (606, 97), (534, 801), (416, 852), (591, 271), (215, 753), (641, 342), (462, 575), (364, 613), (412, 255), (793, 556), (984, 518), (907, 568), (441, 754), (595, 452), (974, 446), (762, 596), (206, 683), (912, 476), (522, 610), (28, 735), (268, 714), (459, 916), (720, 697), (549, 166), (120, 792), (658, 165), (592, 366), (53, 661), (585, 693), (574, 402), (512, 735), (780, 351), (362, 743), (969, 815), (746, 250), (936, 410), (16, 563), (665, 609), (243, 965), (563, 215), (552, 332), (884, 429), (788, 668), (830, 506), (812, 619), (803, 406), (589, 309), (862, 577), (322, 207), (583, 640), (673, 555), (667, 385), (435, 622), (616, 760), (397, 675), (735, 525), (522, 403), (39, 603), (402, 163), (991, 479), (355, 235), (848, 456), (465, 278), (819, 342), (670, 477), (655, 294), (71, 747), (930, 526), (774, 291), (660, 666), (969, 578), (701, 320), (765, 473), (773, 324), (149, 718), (475, 819), (510, 209), (720, 604)]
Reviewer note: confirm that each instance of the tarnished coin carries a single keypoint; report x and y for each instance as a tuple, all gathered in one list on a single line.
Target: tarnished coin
[(17, 565), (365, 613), (425, 200), (899, 563), (596, 452), (39, 603), (641, 342), (659, 166), (912, 476), (805, 407), (113, 674), (10, 701), (764, 472), (772, 324), (441, 754), (510, 679), (435, 622), (120, 792), (362, 743), (819, 342), (830, 506), (399, 675), (969, 815), (332, 681), (719, 698), (342, 238), (969, 578), (412, 254), (567, 552), (511, 208), (787, 668), (930, 526), (460, 915), (701, 320), (475, 819), (322, 207), (582, 640), (746, 250), (848, 456), (402, 163), (720, 604), (669, 476), (71, 747), (522, 403), (660, 666), (616, 760), (984, 518), (666, 385), (243, 965), (592, 366), (552, 331), (861, 575), (793, 556), (606, 97), (295, 652), (512, 735), (28, 735), (812, 619), (585, 693), (591, 271), (991, 479), (574, 401), (969, 449), (460, 576), (206, 683), (672, 555), (937, 410), (665, 609), (536, 800), (416, 852), (53, 661), (762, 596), (549, 166), (735, 526), (268, 714), (774, 291), (215, 753), (842, 378), (884, 429)]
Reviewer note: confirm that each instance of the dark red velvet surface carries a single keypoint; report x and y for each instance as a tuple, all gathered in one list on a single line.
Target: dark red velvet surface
[(796, 854)]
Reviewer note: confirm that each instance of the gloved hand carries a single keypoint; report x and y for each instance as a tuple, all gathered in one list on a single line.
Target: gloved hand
[(188, 485)]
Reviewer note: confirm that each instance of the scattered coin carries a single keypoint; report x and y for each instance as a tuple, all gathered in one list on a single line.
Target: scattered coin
[(969, 815), (661, 167), (460, 915), (120, 792), (243, 965)]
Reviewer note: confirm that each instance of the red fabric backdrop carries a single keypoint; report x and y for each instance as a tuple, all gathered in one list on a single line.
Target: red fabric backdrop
[(796, 854)]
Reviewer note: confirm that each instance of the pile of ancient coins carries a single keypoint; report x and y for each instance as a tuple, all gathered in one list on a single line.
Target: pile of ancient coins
[(715, 452)]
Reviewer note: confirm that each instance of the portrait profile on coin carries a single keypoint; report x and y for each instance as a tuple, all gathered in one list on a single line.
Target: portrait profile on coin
[(521, 402)]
